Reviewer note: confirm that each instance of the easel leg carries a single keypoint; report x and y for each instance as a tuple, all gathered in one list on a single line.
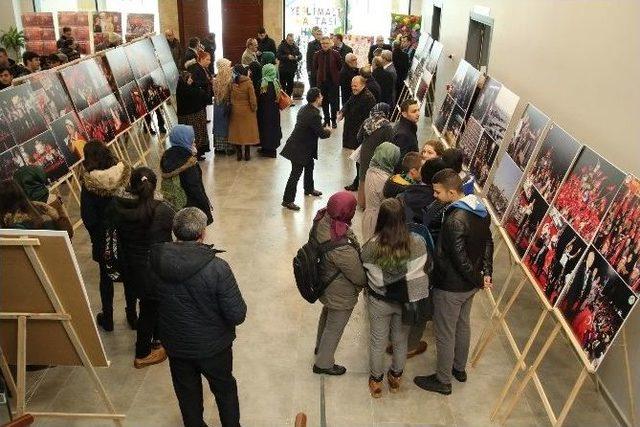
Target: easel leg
[(6, 373), (572, 397), (627, 365), (21, 366)]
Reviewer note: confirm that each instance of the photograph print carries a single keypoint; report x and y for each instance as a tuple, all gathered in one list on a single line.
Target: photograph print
[(18, 107), (618, 238), (105, 120), (70, 137), (504, 185), (526, 135), (483, 158), (6, 139), (107, 22), (139, 24), (119, 65), (553, 254), (469, 140), (443, 115), (434, 56), (499, 115), (44, 152), (587, 193), (486, 98), (557, 152), (154, 89), (454, 125), (86, 83), (142, 57), (463, 84), (10, 162), (172, 76), (51, 96), (133, 101), (163, 51), (595, 304), (525, 216)]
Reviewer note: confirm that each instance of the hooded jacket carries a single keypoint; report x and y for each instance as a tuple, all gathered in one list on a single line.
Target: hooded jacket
[(396, 184), (464, 251), (51, 219), (199, 302), (33, 181), (416, 198)]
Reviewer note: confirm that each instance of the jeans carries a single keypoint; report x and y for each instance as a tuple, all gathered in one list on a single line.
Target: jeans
[(386, 317), (330, 101), (292, 182), (286, 81), (330, 328), (187, 383)]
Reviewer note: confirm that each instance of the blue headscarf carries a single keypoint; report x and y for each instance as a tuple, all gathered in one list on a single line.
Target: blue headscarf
[(182, 136)]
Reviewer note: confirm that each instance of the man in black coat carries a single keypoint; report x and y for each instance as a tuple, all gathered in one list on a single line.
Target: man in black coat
[(312, 47), (347, 73), (372, 84), (302, 147), (288, 55), (326, 66), (191, 54), (401, 62), (340, 47), (463, 265), (405, 131), (386, 76), (265, 43), (380, 44), (199, 307)]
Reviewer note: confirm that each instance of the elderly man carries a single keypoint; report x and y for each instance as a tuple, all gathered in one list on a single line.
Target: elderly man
[(339, 46), (347, 73), (372, 84), (174, 45), (326, 68), (288, 57), (380, 44), (386, 77), (313, 47), (199, 307), (250, 54)]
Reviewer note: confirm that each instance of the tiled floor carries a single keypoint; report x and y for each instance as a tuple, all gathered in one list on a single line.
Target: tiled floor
[(274, 351)]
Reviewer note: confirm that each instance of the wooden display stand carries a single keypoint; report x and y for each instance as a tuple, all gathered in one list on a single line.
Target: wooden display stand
[(45, 315)]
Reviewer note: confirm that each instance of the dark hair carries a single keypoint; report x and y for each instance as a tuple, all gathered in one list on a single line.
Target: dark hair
[(339, 37), (97, 156), (313, 94), (404, 107), (430, 168), (437, 146), (194, 42), (453, 159), (393, 235), (261, 30), (3, 69), (65, 29), (449, 179), (240, 70), (411, 160), (12, 200), (3, 50), (184, 75), (143, 183), (29, 56), (54, 58)]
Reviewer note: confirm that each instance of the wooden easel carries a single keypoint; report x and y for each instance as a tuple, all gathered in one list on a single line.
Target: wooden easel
[(18, 385)]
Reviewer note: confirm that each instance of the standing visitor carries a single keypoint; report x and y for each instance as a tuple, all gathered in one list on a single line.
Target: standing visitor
[(199, 307), (201, 79), (243, 123), (407, 46), (386, 77), (269, 112), (326, 67), (397, 265), (348, 71), (175, 46), (312, 47), (343, 265), (289, 55), (104, 177), (340, 47), (405, 131), (250, 53), (222, 106), (209, 46), (463, 265), (378, 45), (191, 54), (402, 63), (302, 147), (265, 43), (374, 131), (372, 84), (383, 162), (191, 102)]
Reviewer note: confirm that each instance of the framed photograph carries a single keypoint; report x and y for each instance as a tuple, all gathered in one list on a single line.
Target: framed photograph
[(587, 193), (596, 302), (133, 101), (142, 58), (423, 86), (43, 151), (618, 238), (524, 217), (139, 24), (119, 65), (107, 22), (483, 158), (499, 115), (469, 140), (18, 107), (105, 120), (10, 161), (526, 135), (154, 89), (50, 96), (553, 254), (86, 83), (434, 56), (171, 75), (463, 84), (70, 137), (406, 25), (6, 139), (504, 185), (454, 125), (443, 115), (486, 98)]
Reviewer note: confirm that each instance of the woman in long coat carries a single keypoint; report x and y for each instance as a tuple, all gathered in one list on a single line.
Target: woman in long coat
[(198, 119), (380, 170), (222, 106), (269, 112), (243, 124)]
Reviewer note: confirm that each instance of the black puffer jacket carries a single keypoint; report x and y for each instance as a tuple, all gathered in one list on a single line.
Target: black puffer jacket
[(405, 136), (464, 252), (287, 65), (416, 199), (199, 302)]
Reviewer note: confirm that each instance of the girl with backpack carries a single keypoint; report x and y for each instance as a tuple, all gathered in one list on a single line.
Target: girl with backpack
[(341, 270), (142, 219)]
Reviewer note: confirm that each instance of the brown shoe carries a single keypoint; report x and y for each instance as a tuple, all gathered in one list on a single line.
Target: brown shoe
[(394, 382), (157, 355), (375, 388), (422, 347)]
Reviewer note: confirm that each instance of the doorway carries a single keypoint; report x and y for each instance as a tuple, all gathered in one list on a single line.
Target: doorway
[(435, 22), (479, 41)]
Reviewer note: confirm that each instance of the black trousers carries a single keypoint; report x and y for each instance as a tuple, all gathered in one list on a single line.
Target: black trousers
[(294, 177), (159, 117), (146, 326), (187, 383), (286, 81), (312, 79), (330, 98), (106, 292), (356, 181)]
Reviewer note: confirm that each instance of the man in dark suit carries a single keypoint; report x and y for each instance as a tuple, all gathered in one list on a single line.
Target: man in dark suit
[(326, 68), (401, 62), (312, 47), (386, 76), (340, 47), (380, 44), (580, 287), (347, 73), (302, 147), (372, 84), (191, 54), (406, 43)]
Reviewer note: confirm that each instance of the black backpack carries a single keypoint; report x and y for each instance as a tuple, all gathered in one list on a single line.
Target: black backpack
[(306, 266)]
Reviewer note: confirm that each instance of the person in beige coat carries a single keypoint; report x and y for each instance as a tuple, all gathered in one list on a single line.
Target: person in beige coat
[(342, 270), (243, 122)]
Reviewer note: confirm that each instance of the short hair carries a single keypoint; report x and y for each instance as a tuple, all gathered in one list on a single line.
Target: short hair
[(437, 146), (365, 71), (412, 160), (404, 107), (313, 94), (387, 55), (250, 41), (453, 159), (449, 179), (189, 224), (377, 51), (377, 62), (325, 38), (396, 44), (54, 58), (349, 56), (315, 28), (194, 42), (430, 168), (29, 56), (7, 69), (289, 34), (261, 30), (3, 50), (65, 29), (339, 37), (361, 79)]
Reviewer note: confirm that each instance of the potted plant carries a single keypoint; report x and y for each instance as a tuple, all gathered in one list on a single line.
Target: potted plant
[(13, 40)]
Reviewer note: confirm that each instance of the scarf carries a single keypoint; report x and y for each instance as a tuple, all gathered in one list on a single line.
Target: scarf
[(182, 136), (222, 81), (385, 157), (341, 208), (378, 117), (270, 75)]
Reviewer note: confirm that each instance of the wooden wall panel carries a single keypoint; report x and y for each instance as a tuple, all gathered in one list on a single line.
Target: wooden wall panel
[(193, 19), (240, 20)]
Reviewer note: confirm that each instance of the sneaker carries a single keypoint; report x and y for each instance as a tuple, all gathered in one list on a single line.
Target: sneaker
[(157, 355), (375, 388), (459, 375), (432, 383), (314, 193), (334, 370), (291, 206), (394, 381), (422, 347)]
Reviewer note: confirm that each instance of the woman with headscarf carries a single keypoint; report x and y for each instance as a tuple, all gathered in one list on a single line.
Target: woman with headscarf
[(383, 162), (269, 111), (342, 272), (243, 124), (198, 119), (222, 106)]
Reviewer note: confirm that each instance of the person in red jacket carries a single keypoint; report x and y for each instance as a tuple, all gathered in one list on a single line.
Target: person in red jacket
[(326, 68)]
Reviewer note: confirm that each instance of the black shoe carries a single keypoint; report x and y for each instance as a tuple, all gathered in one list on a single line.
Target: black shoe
[(351, 187), (314, 193), (291, 206), (247, 153), (459, 375), (132, 318), (152, 132), (163, 131), (334, 125), (315, 351), (431, 383), (105, 320), (239, 154), (335, 370)]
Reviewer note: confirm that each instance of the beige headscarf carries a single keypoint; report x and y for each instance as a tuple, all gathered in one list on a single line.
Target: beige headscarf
[(222, 81)]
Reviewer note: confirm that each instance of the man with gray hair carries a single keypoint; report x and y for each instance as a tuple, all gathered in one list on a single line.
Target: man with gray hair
[(386, 77), (251, 53), (312, 47), (199, 306), (348, 71)]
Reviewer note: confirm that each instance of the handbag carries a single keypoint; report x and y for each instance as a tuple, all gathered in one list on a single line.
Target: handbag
[(284, 100), (417, 312)]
